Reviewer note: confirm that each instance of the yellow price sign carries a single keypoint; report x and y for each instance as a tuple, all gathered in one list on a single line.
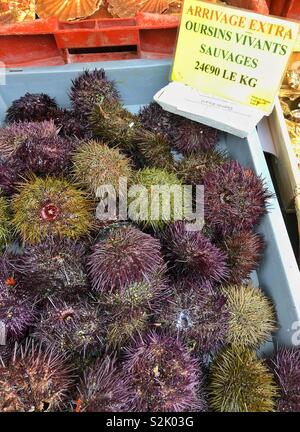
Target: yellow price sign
[(233, 54)]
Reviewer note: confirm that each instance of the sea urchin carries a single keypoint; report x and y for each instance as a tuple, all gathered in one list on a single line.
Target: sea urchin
[(198, 313), (103, 388), (31, 107), (36, 379), (251, 316), (50, 206), (285, 365), (190, 253), (235, 198), (240, 382), (126, 256), (163, 376)]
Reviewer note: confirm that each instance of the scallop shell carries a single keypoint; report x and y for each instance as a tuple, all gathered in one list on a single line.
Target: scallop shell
[(124, 8), (67, 10), (16, 11), (175, 7), (155, 6), (101, 13)]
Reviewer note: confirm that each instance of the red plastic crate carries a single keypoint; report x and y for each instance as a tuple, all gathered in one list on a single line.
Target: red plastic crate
[(51, 43), (259, 6), (277, 7), (292, 9)]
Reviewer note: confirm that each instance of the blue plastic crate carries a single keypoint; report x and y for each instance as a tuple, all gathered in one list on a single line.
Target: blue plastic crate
[(138, 81)]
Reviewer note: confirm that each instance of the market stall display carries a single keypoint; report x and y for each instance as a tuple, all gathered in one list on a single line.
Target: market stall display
[(125, 280)]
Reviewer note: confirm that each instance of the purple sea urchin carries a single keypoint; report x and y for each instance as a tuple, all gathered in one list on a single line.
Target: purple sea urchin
[(190, 253), (285, 365), (240, 382), (74, 327), (162, 376), (126, 256), (26, 147), (8, 178), (50, 206), (193, 137), (70, 126), (185, 135), (103, 388), (244, 252), (235, 198), (6, 352), (31, 107), (89, 89), (251, 316), (96, 165), (157, 120), (8, 272), (17, 313), (36, 379), (197, 313), (43, 156), (16, 134), (54, 268)]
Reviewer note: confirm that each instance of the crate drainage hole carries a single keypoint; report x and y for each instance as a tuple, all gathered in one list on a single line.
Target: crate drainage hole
[(103, 50)]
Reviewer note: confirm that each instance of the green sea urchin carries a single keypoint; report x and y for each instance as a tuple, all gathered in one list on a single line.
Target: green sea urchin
[(124, 324), (240, 382), (194, 168), (159, 200), (96, 165), (251, 316), (162, 376), (50, 206), (129, 310), (154, 149), (31, 107), (115, 125), (36, 379)]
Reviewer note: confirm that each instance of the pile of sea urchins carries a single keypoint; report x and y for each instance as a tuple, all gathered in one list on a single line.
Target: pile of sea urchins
[(140, 314)]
